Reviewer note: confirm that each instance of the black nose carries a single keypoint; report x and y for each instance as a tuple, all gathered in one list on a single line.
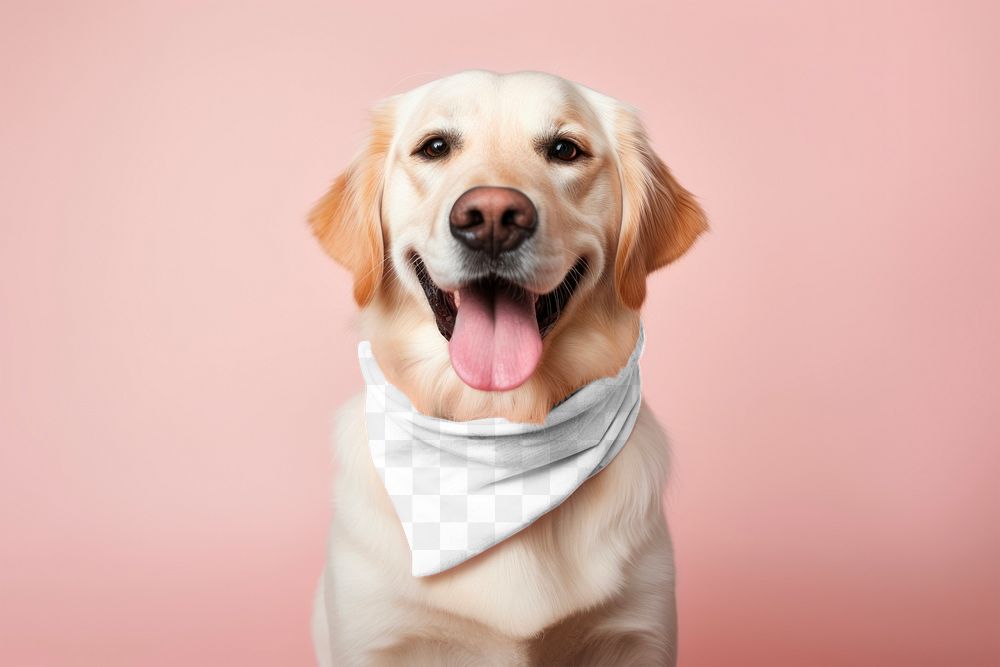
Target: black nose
[(493, 220)]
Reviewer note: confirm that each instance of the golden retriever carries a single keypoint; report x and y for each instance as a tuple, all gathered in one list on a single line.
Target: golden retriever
[(578, 210)]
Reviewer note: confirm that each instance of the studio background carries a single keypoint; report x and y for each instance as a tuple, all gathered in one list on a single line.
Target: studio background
[(173, 343)]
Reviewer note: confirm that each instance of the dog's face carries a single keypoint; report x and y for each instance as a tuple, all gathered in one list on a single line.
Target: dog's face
[(499, 211)]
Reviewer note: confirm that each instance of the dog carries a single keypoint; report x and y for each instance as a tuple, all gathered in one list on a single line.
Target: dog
[(541, 203)]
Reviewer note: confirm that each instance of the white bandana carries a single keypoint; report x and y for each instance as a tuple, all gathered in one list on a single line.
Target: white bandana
[(461, 487)]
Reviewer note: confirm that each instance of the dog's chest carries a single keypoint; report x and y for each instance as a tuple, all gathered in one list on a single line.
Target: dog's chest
[(571, 559)]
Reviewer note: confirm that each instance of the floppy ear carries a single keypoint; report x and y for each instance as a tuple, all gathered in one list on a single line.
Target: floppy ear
[(660, 219), (347, 220)]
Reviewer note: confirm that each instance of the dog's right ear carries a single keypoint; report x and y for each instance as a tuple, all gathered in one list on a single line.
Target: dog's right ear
[(347, 220)]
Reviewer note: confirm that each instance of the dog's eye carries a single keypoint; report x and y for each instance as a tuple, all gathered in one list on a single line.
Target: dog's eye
[(565, 150), (434, 148)]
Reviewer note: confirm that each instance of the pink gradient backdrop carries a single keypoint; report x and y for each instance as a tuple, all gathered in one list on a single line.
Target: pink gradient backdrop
[(173, 343)]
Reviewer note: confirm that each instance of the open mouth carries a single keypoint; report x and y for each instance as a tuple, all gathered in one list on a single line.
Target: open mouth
[(495, 327)]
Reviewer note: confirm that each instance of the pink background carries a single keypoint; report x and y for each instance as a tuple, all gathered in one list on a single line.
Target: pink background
[(173, 343)]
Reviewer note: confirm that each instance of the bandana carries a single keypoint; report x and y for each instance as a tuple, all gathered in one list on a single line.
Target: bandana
[(460, 488)]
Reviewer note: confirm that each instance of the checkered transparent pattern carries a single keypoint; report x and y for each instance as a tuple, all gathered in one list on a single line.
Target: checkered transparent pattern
[(461, 487)]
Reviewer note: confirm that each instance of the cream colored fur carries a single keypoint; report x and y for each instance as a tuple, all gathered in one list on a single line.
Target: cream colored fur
[(590, 583)]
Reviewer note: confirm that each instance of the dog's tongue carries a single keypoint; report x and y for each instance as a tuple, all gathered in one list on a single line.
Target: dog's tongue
[(495, 345)]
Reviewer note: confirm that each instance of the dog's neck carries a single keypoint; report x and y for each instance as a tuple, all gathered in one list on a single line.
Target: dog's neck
[(591, 341)]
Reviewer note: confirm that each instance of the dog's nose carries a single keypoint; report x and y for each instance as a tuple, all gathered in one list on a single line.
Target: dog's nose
[(493, 220)]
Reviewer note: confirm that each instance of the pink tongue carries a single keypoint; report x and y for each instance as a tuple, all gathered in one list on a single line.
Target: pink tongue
[(495, 345)]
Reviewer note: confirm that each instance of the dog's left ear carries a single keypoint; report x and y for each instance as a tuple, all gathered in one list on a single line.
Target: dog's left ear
[(347, 220), (660, 219)]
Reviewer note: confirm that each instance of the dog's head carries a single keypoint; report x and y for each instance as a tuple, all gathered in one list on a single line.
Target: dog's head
[(500, 229)]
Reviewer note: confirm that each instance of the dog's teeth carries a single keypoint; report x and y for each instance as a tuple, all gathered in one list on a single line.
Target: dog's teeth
[(457, 298)]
